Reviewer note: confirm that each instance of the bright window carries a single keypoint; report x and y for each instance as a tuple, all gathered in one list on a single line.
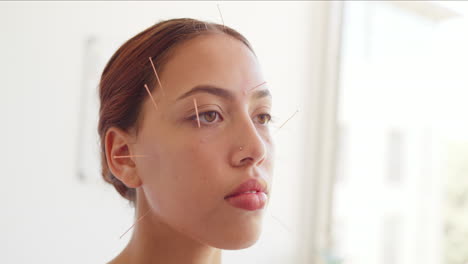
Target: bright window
[(401, 189)]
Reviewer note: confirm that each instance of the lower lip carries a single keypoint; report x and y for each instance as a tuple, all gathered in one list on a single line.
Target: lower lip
[(248, 201)]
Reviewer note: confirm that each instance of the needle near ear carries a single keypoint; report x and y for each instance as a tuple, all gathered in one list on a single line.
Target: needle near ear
[(129, 156), (139, 219)]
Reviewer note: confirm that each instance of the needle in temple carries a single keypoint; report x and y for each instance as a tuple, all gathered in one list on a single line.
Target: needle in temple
[(151, 96), (196, 111), (157, 76), (141, 217), (287, 120)]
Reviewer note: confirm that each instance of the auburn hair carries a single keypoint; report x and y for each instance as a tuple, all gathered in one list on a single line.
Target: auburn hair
[(121, 88)]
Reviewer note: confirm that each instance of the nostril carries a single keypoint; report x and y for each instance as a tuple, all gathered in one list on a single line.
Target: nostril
[(246, 160)]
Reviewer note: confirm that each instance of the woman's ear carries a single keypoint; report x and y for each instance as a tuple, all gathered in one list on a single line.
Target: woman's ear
[(117, 143)]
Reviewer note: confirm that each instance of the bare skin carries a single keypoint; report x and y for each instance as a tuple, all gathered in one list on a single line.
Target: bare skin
[(189, 170)]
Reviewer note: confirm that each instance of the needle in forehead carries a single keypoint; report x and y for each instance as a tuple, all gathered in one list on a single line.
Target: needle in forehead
[(151, 96), (253, 88), (157, 76), (257, 86), (196, 111)]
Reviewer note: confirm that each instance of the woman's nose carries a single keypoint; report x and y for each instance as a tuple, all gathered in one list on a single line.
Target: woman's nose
[(248, 148)]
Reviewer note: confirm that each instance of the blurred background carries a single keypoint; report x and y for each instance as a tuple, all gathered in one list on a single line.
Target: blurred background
[(373, 168)]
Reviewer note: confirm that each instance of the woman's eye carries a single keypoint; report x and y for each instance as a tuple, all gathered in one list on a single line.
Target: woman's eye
[(209, 117), (264, 119)]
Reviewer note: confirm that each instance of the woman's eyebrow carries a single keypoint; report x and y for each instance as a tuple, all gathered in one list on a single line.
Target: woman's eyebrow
[(217, 91), (261, 93), (208, 89)]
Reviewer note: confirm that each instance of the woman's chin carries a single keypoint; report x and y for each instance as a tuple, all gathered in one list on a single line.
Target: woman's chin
[(241, 244), (238, 240)]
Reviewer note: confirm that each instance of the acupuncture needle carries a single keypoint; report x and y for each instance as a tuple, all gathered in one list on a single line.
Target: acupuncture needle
[(139, 219), (157, 76), (196, 111), (285, 122), (129, 156), (151, 96)]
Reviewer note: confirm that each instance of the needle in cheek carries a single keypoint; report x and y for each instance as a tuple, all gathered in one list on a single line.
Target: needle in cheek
[(196, 111)]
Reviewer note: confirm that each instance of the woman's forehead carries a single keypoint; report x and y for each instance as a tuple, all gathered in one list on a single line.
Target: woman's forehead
[(214, 59)]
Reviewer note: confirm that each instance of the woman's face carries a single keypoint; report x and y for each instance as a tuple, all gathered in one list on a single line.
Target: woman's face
[(191, 170)]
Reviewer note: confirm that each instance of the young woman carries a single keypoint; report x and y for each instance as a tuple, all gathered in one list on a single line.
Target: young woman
[(184, 127)]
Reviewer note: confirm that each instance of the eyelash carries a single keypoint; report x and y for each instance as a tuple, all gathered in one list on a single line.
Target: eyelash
[(218, 115)]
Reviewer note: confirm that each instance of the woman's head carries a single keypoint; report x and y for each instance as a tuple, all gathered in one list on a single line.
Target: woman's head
[(188, 171)]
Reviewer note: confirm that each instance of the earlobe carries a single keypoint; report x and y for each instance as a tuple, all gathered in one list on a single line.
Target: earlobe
[(124, 169)]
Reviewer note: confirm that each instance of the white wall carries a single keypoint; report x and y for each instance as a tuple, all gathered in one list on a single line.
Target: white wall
[(48, 215)]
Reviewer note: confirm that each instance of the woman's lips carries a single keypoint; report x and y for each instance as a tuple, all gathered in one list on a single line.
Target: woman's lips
[(248, 201), (250, 195)]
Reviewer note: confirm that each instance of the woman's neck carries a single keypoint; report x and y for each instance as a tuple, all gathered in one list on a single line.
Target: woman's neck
[(154, 242)]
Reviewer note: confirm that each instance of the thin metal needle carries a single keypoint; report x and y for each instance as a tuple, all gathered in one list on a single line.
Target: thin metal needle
[(250, 89), (287, 120), (139, 219), (221, 15), (157, 76), (129, 156), (281, 223), (196, 111), (257, 86), (151, 96)]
